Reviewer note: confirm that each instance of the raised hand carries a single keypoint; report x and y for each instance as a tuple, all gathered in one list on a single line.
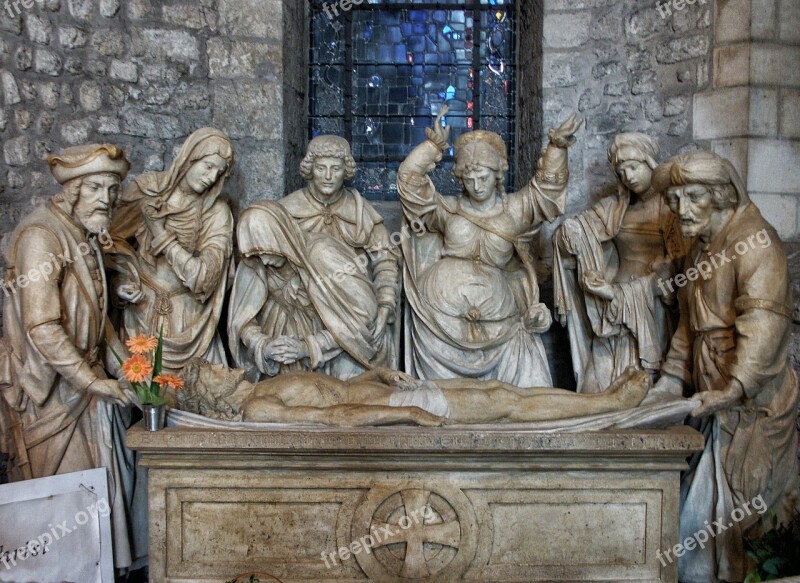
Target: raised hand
[(437, 134), (564, 135)]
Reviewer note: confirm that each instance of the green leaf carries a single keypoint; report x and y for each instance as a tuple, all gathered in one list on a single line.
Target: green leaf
[(753, 577), (157, 361), (773, 565), (114, 352)]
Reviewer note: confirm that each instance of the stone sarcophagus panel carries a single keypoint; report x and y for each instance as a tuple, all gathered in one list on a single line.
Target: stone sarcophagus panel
[(411, 504)]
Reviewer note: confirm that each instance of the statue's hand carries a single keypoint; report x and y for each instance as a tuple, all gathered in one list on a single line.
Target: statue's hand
[(130, 293), (663, 271), (568, 234), (714, 401), (538, 319), (109, 390), (437, 134), (286, 350), (597, 285), (385, 315), (564, 135), (155, 224)]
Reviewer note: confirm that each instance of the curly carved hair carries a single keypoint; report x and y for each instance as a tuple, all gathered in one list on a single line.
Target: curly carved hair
[(328, 147), (197, 397), (479, 154)]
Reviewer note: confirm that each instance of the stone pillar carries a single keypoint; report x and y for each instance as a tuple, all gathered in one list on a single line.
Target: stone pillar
[(258, 71), (751, 114)]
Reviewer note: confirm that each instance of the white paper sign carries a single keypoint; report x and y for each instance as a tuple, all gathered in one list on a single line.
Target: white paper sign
[(56, 530)]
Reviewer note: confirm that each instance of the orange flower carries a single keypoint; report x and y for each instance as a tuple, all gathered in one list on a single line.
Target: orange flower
[(169, 380), (137, 368), (142, 344)]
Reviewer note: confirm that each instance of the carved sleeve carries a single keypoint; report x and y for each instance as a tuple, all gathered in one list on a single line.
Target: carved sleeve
[(322, 347), (547, 191), (385, 266), (678, 362), (417, 193), (762, 317)]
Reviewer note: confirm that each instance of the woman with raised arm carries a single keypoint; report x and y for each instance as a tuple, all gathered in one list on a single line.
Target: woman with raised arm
[(174, 238), (470, 282)]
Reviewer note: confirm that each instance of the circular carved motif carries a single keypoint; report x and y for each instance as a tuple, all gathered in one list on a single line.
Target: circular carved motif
[(415, 533)]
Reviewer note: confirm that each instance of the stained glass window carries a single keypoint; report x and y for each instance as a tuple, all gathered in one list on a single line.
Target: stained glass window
[(382, 70)]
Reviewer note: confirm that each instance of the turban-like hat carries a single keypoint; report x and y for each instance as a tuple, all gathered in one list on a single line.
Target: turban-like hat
[(700, 167), (88, 159)]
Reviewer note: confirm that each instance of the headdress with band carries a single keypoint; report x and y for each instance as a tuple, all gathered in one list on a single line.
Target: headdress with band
[(88, 159)]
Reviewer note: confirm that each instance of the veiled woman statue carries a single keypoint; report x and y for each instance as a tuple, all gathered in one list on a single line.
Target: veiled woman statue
[(294, 287), (174, 240), (609, 261), (470, 282)]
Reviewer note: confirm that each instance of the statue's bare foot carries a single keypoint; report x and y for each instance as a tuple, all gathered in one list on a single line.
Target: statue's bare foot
[(630, 388)]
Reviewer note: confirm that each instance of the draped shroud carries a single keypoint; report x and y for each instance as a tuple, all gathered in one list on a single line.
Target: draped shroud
[(336, 283)]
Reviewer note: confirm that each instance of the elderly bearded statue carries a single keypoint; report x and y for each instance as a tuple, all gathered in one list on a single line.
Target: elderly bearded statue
[(731, 348), (58, 409)]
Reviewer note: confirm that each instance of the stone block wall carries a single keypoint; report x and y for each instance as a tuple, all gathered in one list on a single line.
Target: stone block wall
[(144, 74), (625, 65), (751, 113)]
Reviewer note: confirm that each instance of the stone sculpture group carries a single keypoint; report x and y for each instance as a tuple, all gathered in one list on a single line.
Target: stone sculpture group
[(314, 320)]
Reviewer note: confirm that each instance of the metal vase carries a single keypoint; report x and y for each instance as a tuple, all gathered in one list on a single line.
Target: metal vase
[(154, 417)]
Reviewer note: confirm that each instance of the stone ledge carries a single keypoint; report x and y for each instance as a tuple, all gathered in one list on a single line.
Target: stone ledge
[(678, 441)]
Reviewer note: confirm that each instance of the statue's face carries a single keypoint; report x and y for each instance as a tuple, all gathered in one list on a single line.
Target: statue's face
[(327, 175), (635, 175), (205, 172), (480, 183), (694, 206), (96, 198)]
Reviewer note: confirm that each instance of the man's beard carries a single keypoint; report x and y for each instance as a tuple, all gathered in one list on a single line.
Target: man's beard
[(691, 229), (96, 223)]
